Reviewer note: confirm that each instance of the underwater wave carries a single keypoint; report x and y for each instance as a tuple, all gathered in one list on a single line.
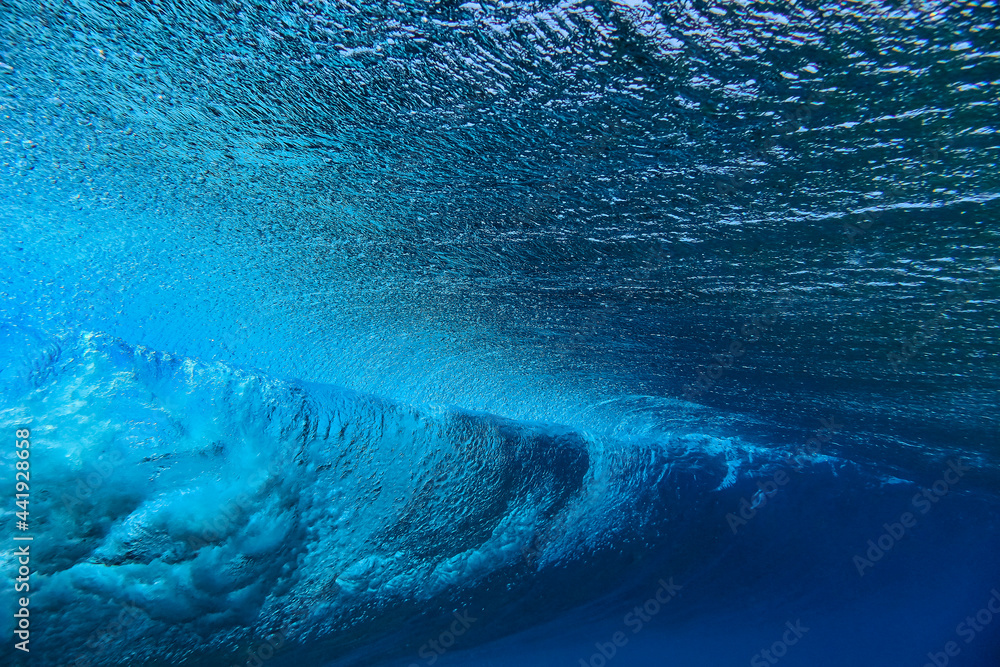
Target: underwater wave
[(490, 333), (198, 510)]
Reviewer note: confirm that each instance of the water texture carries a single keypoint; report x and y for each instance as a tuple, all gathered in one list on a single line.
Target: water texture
[(493, 333)]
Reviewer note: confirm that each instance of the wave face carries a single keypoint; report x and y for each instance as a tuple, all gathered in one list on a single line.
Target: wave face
[(194, 513), (223, 504), (339, 325)]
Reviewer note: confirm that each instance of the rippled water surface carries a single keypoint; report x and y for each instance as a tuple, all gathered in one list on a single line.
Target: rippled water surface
[(697, 236)]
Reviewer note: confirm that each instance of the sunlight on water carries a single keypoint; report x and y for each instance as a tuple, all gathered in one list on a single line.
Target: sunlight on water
[(332, 322)]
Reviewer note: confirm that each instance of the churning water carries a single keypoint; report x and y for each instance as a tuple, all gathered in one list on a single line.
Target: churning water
[(500, 333)]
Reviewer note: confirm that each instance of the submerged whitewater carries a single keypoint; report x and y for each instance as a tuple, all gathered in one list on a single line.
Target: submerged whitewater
[(491, 333), (197, 514)]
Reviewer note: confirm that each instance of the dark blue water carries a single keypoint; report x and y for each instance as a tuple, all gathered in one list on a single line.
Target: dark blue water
[(499, 333)]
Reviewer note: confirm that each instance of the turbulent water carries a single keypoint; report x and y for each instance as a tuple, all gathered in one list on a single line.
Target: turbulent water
[(490, 333)]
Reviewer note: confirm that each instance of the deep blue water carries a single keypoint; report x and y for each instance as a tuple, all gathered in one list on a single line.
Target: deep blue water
[(501, 333)]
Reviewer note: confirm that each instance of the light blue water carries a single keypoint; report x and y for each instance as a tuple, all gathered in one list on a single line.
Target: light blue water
[(501, 333)]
